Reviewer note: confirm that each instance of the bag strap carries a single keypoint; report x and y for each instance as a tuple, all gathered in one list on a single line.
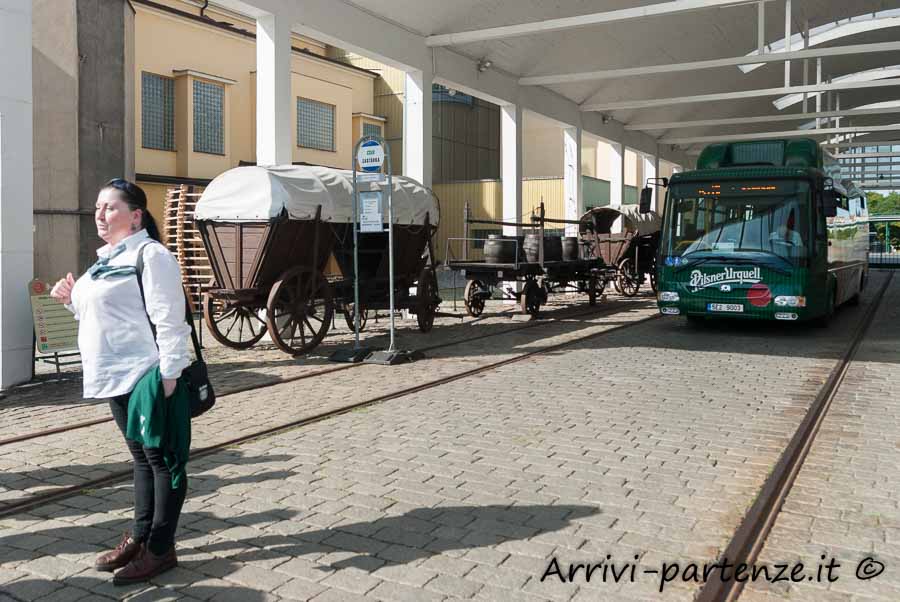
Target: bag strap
[(139, 268)]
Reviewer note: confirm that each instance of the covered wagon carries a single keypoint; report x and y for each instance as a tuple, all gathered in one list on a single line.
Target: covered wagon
[(280, 244), (632, 250)]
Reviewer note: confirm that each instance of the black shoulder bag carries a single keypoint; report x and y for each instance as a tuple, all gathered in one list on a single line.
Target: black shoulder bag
[(195, 376)]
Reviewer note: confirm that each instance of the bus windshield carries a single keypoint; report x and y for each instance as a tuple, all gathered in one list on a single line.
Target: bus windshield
[(739, 217)]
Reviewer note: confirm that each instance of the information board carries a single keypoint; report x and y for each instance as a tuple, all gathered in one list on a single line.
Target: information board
[(371, 218), (55, 328)]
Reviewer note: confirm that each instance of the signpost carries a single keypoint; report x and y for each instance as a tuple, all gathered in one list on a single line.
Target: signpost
[(373, 158)]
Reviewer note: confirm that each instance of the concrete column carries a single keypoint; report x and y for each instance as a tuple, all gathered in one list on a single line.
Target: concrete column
[(512, 127), (650, 165), (617, 174), (16, 192), (273, 91), (616, 179), (417, 149), (572, 183)]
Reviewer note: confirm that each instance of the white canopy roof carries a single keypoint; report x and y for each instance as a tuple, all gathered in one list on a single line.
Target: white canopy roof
[(262, 193), (644, 223)]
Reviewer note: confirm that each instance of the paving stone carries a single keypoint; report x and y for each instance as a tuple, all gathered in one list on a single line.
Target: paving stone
[(454, 586), (257, 578), (299, 589), (402, 593), (352, 580)]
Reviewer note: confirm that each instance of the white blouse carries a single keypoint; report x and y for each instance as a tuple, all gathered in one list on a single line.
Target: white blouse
[(114, 336)]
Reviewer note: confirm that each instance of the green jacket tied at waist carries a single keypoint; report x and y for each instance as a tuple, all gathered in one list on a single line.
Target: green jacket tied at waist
[(160, 423)]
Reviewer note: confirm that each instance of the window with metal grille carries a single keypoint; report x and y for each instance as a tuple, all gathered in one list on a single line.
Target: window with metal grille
[(315, 124), (209, 118), (157, 112), (371, 129)]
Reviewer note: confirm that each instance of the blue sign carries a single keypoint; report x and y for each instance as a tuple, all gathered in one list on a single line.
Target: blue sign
[(370, 156)]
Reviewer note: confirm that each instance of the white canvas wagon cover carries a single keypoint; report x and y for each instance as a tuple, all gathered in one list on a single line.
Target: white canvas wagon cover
[(261, 193)]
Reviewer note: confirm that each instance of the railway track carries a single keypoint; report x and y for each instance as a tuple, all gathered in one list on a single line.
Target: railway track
[(324, 372), (750, 537), (67, 491)]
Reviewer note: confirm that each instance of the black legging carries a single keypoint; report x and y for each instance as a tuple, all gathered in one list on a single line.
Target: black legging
[(156, 505)]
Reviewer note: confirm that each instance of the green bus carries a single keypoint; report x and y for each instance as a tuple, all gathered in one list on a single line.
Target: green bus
[(762, 230)]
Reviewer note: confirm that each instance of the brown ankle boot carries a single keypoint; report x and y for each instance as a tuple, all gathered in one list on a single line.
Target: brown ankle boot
[(145, 565), (121, 556)]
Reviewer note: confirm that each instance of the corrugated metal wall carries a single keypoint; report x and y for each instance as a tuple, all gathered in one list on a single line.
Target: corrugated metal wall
[(550, 190), (485, 199)]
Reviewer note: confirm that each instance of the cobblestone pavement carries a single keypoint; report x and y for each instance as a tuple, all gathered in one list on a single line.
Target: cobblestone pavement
[(38, 465), (52, 401), (845, 502), (649, 442)]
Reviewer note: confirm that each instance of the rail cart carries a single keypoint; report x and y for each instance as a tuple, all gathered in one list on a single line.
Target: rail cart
[(534, 280), (280, 244), (632, 252)]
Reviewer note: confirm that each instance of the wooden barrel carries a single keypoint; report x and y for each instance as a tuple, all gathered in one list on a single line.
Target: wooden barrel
[(570, 248), (552, 248), (498, 249)]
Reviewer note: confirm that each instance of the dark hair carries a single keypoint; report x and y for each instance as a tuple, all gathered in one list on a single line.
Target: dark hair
[(135, 197)]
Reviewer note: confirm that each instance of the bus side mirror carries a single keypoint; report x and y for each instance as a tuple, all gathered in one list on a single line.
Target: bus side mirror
[(646, 200), (829, 203)]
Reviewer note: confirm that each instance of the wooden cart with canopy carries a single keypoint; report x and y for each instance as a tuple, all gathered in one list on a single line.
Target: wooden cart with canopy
[(632, 250), (280, 243)]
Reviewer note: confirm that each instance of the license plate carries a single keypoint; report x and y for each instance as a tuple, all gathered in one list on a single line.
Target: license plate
[(731, 307)]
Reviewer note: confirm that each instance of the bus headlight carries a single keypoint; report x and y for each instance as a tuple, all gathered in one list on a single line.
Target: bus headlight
[(668, 296), (790, 301)]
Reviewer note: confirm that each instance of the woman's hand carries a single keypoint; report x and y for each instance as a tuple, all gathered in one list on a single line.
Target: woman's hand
[(169, 386), (62, 290)]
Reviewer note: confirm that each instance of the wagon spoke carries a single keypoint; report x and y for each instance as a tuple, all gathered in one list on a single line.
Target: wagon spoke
[(231, 310), (230, 328), (289, 327), (302, 334), (311, 329), (250, 325)]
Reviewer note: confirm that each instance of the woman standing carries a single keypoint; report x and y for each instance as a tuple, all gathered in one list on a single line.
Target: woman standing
[(118, 347)]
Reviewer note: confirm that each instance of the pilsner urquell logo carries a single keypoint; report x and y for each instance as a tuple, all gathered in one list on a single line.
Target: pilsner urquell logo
[(726, 276)]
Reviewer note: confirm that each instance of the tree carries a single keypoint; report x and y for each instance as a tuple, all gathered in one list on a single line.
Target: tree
[(880, 204)]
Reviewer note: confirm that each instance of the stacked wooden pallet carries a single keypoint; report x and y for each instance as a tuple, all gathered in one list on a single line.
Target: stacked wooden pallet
[(183, 239)]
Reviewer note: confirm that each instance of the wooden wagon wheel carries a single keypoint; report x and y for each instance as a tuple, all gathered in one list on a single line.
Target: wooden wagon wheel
[(299, 310), (473, 301), (427, 299), (232, 324), (350, 317), (530, 299), (628, 278)]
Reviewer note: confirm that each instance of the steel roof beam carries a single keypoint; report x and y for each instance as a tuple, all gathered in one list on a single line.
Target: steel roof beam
[(863, 142), (550, 25), (671, 125), (880, 186), (567, 78), (785, 134), (759, 93), (865, 155)]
